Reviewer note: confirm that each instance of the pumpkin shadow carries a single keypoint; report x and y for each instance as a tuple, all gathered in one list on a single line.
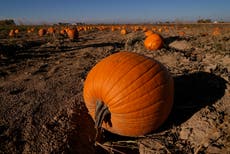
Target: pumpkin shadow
[(81, 133), (192, 93), (15, 54), (171, 39)]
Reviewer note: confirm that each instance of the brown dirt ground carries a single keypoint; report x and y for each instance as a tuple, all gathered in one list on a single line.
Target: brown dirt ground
[(42, 108)]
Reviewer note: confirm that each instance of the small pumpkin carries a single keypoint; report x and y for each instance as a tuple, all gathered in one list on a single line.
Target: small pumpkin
[(216, 31), (72, 33), (29, 31), (62, 32), (16, 31), (51, 30), (144, 29), (12, 33), (123, 31), (181, 33), (153, 42), (133, 98), (113, 28), (41, 32)]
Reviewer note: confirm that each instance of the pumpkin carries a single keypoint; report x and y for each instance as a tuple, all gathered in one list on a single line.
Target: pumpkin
[(62, 32), (29, 31), (41, 32), (123, 31), (216, 31), (144, 29), (72, 33), (113, 28), (160, 30), (154, 29), (181, 33), (51, 30), (32, 29), (148, 33), (12, 33), (136, 28), (16, 31), (153, 42), (128, 94)]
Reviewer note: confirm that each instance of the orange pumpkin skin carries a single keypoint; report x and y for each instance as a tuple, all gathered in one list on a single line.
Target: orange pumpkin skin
[(16, 31), (153, 42), (12, 33), (148, 33), (123, 31), (62, 32), (41, 32), (72, 33), (51, 30), (216, 31), (181, 33), (137, 90)]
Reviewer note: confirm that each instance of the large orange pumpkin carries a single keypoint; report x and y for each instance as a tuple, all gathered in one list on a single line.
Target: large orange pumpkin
[(153, 42), (129, 94)]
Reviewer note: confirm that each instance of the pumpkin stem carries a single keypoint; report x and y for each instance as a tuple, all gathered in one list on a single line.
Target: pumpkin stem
[(102, 113)]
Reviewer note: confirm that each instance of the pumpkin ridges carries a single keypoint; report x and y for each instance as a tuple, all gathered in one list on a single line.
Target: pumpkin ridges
[(154, 118), (119, 73), (95, 75), (107, 81), (103, 79), (96, 85), (136, 113), (140, 99), (133, 89), (117, 104), (112, 72), (108, 68), (139, 120), (115, 92), (136, 99)]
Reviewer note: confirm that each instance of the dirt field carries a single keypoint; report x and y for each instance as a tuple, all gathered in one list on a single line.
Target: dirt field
[(42, 78)]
